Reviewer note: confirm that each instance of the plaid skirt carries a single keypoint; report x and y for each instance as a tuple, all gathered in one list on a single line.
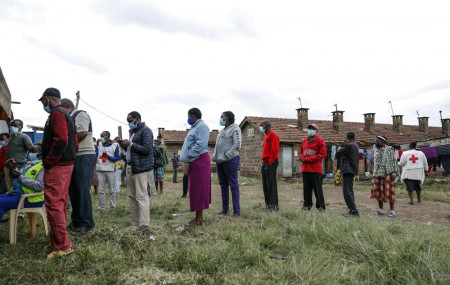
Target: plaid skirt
[(159, 174), (383, 189)]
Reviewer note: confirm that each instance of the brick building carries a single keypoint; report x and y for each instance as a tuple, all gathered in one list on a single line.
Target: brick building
[(172, 141), (292, 132)]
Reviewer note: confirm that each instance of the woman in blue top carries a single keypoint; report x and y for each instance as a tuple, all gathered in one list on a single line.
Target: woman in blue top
[(195, 152)]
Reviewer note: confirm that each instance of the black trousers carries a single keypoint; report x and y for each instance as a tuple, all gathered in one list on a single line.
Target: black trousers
[(313, 181), (185, 184), (269, 181), (175, 172), (347, 187)]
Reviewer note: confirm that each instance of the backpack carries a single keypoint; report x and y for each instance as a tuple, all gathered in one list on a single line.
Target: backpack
[(157, 157)]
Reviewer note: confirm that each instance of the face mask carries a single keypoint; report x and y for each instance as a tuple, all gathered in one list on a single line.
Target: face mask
[(222, 122), (311, 133), (47, 108), (2, 143), (132, 125), (14, 130), (102, 140), (261, 129), (32, 156), (190, 121)]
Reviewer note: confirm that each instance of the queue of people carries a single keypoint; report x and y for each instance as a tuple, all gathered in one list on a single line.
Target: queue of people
[(70, 161)]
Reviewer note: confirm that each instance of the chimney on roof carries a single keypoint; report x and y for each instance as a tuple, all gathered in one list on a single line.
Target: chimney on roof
[(338, 120), (423, 124), (445, 126), (302, 118), (159, 132), (397, 122), (369, 122)]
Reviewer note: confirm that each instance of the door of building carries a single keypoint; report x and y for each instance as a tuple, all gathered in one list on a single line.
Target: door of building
[(287, 161)]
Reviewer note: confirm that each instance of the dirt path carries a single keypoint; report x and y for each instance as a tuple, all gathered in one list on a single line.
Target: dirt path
[(426, 213)]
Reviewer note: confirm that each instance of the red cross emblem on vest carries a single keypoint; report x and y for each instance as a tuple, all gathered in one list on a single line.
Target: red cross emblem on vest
[(104, 159), (413, 159)]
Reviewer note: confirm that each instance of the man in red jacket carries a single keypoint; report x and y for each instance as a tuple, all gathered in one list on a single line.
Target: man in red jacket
[(312, 152), (271, 146), (59, 148)]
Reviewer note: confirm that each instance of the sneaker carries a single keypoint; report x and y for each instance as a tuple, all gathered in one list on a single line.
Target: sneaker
[(235, 216), (60, 253), (380, 212), (419, 201), (391, 214), (411, 202)]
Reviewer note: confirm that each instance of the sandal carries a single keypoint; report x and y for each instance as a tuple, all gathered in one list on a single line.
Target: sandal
[(60, 253)]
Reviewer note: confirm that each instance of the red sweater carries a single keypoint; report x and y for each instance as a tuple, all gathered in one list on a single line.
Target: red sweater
[(3, 157), (271, 146), (313, 152)]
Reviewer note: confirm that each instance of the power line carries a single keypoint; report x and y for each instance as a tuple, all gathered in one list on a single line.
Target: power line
[(102, 112)]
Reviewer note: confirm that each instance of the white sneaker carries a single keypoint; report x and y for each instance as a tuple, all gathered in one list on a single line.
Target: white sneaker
[(391, 214), (380, 212)]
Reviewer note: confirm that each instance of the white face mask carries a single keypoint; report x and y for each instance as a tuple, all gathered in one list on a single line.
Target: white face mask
[(261, 129), (14, 130)]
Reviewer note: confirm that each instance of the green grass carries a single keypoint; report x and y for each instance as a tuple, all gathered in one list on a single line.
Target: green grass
[(319, 248)]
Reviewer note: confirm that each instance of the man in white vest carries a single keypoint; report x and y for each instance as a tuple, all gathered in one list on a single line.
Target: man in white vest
[(414, 164)]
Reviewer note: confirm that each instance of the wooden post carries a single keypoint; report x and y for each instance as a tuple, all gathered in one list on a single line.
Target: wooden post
[(78, 99)]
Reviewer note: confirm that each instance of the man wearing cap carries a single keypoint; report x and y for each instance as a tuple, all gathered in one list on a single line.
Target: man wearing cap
[(414, 164), (384, 172), (59, 148), (80, 185), (312, 152)]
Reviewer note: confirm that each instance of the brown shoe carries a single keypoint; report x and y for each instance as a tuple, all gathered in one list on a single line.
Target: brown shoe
[(222, 213)]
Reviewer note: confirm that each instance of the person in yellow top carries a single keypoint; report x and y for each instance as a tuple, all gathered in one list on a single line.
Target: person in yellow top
[(28, 179)]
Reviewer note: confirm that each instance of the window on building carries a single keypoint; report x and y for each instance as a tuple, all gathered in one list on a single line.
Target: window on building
[(250, 132)]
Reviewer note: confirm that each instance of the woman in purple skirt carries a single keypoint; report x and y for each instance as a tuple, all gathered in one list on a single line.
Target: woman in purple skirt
[(195, 153)]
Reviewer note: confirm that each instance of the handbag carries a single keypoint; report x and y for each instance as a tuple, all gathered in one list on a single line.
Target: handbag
[(185, 167)]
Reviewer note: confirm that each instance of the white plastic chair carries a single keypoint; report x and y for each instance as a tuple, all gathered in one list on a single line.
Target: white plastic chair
[(31, 212)]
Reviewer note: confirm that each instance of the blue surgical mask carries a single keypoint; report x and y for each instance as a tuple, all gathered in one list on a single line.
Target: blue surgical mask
[(2, 143), (14, 130), (47, 109), (311, 133), (102, 140), (132, 125), (261, 129), (32, 156), (222, 122), (190, 121)]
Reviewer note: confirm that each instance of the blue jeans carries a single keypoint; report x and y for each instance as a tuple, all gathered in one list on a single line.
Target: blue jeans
[(80, 191), (8, 202), (228, 178)]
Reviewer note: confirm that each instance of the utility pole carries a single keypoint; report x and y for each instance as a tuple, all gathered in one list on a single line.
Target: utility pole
[(78, 99), (120, 131)]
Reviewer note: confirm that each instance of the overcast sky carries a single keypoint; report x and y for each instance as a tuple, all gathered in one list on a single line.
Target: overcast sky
[(255, 58)]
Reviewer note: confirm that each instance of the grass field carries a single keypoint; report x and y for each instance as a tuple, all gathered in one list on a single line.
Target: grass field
[(287, 247)]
